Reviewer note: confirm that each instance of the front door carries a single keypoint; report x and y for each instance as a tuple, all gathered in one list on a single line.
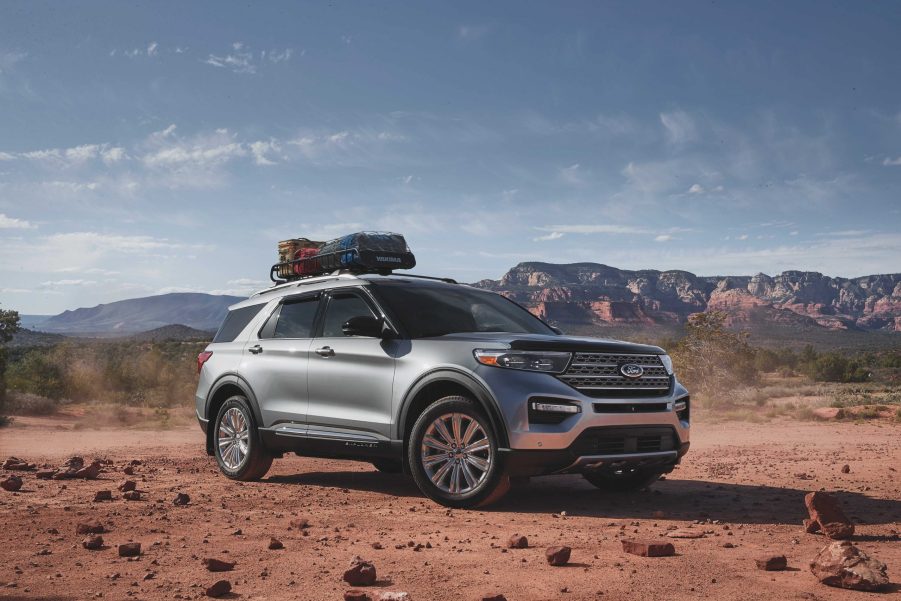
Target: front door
[(351, 378), (275, 363)]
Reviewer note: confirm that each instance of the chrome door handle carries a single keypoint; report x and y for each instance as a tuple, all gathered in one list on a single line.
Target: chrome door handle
[(325, 351), (256, 349)]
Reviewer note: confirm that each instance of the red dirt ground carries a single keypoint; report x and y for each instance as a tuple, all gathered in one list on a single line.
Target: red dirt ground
[(744, 482)]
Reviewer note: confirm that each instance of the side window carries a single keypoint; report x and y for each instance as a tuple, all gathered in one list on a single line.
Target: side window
[(293, 319), (235, 322), (341, 307)]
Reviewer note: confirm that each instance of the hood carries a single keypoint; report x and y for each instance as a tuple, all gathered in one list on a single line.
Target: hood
[(551, 342)]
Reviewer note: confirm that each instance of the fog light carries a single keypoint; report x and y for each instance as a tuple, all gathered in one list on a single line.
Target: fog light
[(556, 408), (680, 406)]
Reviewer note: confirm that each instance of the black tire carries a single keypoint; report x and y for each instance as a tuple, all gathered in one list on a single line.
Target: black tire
[(625, 481), (257, 460), (389, 466), (490, 486)]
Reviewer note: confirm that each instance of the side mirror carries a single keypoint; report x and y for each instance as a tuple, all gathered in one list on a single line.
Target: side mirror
[(556, 330), (363, 325)]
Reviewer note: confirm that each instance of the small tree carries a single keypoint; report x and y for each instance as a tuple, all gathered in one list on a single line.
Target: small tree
[(711, 359), (9, 325)]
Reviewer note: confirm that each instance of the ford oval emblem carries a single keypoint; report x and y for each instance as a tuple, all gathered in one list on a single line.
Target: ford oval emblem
[(631, 370)]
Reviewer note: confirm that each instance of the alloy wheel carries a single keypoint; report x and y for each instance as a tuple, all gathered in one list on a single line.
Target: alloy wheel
[(233, 438), (456, 453)]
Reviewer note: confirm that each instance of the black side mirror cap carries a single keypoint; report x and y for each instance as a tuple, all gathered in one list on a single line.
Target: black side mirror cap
[(364, 325)]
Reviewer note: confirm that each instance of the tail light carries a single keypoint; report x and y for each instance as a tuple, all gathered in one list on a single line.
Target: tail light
[(203, 358)]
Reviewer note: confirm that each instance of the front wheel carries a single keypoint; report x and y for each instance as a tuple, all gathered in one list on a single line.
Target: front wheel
[(624, 481), (453, 455), (236, 442)]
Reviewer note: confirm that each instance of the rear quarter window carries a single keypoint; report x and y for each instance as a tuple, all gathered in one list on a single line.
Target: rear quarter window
[(235, 322)]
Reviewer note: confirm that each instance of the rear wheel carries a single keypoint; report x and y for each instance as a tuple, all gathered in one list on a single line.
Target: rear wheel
[(237, 445), (624, 481), (453, 455)]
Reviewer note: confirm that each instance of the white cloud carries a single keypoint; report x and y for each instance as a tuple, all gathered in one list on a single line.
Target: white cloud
[(113, 155), (204, 151), (571, 175), (11, 223), (261, 148), (152, 49), (64, 283), (890, 162), (8, 60), (243, 60), (550, 236), (680, 127), (742, 237), (70, 157), (594, 229), (663, 238), (279, 56), (696, 189)]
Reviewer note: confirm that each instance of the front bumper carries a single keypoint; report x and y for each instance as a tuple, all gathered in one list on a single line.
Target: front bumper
[(575, 460), (610, 432)]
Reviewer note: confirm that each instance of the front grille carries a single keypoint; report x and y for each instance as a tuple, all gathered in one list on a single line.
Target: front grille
[(598, 375), (625, 440)]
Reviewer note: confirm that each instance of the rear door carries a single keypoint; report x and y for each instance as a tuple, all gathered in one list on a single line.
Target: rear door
[(276, 359), (351, 378)]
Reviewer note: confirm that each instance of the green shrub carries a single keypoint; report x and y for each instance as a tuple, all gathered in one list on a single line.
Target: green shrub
[(712, 360)]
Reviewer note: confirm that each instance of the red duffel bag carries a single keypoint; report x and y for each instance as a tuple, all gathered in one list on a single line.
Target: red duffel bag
[(307, 263)]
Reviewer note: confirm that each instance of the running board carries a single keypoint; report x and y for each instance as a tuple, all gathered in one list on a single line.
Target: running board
[(304, 432)]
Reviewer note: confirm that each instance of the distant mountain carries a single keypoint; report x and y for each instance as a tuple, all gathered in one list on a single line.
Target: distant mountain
[(31, 321), (195, 310), (591, 294)]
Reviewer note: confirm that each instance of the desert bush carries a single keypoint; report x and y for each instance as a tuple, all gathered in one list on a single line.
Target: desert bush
[(5, 420), (836, 367), (24, 403), (712, 360), (152, 374)]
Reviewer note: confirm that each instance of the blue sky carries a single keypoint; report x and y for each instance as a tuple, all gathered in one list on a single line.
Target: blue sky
[(155, 147)]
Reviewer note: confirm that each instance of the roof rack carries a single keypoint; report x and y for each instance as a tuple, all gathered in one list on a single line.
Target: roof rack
[(429, 277)]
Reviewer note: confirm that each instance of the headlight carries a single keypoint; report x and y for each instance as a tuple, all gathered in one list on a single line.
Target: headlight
[(667, 363), (546, 361)]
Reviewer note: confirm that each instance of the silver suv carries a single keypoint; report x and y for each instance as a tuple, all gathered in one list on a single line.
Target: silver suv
[(459, 387)]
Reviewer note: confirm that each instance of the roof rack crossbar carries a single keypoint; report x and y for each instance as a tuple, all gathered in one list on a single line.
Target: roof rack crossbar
[(429, 277)]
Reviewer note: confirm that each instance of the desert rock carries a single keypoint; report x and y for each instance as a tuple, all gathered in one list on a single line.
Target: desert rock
[(843, 565), (12, 483), (825, 510), (217, 565), (275, 544), (181, 499), (772, 563), (220, 588), (517, 542), (90, 528), (103, 495), (360, 573), (648, 548), (129, 549), (557, 556), (92, 543)]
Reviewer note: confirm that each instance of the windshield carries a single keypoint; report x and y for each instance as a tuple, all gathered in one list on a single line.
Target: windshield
[(426, 311)]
